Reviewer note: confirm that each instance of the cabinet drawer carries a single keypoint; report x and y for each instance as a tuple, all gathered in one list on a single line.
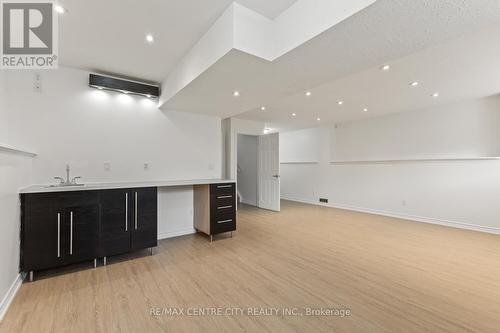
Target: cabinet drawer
[(222, 205), (223, 223), (222, 189), (219, 200), (223, 213)]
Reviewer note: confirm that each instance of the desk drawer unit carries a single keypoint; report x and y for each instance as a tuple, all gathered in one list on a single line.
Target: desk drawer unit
[(215, 208)]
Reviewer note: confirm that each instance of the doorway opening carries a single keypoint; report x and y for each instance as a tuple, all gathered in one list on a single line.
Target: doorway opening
[(258, 170)]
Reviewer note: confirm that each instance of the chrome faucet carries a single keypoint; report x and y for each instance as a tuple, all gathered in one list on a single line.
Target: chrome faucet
[(67, 182)]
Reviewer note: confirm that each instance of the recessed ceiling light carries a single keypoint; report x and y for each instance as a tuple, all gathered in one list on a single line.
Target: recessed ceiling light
[(318, 119), (100, 88), (148, 96), (294, 114), (236, 93), (308, 93), (263, 108), (365, 110), (59, 9), (150, 38), (414, 83), (435, 95), (340, 102), (385, 67)]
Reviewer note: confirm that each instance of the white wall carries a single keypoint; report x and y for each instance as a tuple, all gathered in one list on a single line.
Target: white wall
[(175, 211), (3, 107), (300, 146), (71, 123), (15, 172), (465, 129), (460, 193), (247, 168)]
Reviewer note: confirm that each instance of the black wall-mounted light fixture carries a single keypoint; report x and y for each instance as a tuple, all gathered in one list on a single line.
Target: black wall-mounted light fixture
[(124, 86)]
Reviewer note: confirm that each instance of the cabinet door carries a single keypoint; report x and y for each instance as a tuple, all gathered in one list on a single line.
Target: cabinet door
[(145, 218), (115, 222), (81, 232), (41, 232)]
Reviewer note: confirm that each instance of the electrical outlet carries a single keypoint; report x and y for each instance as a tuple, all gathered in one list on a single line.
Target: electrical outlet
[(323, 200), (146, 166), (107, 166), (211, 166), (403, 203)]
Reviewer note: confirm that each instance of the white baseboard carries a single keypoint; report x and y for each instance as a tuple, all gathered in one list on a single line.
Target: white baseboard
[(11, 293), (422, 219), (176, 233)]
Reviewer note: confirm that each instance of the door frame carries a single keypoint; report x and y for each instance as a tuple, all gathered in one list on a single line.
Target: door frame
[(235, 166)]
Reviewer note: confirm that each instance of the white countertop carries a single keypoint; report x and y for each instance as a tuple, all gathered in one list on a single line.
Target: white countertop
[(110, 186)]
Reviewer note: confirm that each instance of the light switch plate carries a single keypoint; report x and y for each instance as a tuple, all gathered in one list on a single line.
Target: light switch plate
[(37, 83)]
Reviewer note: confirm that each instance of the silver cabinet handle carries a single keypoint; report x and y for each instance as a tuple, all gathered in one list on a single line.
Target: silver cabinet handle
[(224, 207), (59, 235), (224, 196), (135, 211), (71, 233), (224, 186), (225, 221), (126, 211)]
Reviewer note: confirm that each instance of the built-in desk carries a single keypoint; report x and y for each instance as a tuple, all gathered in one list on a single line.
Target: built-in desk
[(122, 185), (65, 225)]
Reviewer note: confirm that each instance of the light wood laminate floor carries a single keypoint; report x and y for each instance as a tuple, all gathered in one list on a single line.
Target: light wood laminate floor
[(394, 275)]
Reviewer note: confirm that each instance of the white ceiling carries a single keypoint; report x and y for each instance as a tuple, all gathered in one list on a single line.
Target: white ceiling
[(464, 68), (384, 32), (109, 35), (269, 8), (442, 43)]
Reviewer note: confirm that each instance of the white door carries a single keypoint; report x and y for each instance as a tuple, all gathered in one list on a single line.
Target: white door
[(269, 172)]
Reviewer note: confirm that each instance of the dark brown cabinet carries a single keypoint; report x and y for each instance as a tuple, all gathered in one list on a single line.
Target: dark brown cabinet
[(58, 229), (129, 220), (145, 225), (215, 208), (67, 227), (115, 222), (40, 233), (81, 233)]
